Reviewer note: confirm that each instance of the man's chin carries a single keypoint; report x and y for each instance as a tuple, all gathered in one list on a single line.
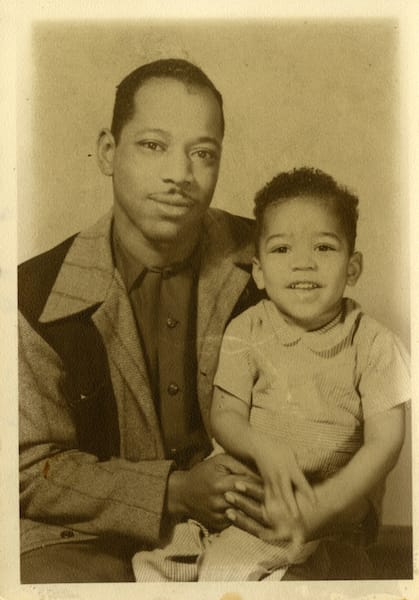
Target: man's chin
[(170, 231)]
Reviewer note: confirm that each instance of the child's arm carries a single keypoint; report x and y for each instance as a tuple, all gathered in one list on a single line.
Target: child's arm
[(337, 496), (275, 461)]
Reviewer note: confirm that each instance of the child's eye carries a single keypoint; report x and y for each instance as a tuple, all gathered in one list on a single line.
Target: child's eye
[(280, 249), (325, 248)]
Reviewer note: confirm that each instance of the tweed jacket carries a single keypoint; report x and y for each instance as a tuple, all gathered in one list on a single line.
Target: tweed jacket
[(68, 495)]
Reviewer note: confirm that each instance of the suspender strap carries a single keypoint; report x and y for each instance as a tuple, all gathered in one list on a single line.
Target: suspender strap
[(87, 386)]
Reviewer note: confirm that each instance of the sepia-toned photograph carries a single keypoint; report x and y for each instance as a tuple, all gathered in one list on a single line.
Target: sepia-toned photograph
[(214, 322)]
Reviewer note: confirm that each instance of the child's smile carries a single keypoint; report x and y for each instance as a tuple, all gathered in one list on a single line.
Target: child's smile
[(304, 262)]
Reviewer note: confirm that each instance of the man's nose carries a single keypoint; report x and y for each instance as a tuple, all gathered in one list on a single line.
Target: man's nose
[(177, 168)]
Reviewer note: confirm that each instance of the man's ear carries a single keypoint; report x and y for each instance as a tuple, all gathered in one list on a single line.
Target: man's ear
[(257, 274), (105, 151), (354, 268)]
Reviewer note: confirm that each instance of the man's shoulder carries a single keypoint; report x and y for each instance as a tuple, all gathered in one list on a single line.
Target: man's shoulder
[(37, 275), (46, 259), (238, 229)]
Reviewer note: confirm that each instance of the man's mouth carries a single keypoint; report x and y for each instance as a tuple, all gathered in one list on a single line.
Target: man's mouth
[(172, 198), (304, 285)]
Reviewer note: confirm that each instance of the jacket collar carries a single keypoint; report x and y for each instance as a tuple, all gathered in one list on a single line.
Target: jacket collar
[(88, 270), (85, 275)]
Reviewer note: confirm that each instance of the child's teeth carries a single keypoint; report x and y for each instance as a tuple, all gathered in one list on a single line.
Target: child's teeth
[(304, 286)]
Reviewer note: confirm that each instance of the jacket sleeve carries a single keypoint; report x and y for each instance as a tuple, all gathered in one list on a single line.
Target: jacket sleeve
[(61, 485)]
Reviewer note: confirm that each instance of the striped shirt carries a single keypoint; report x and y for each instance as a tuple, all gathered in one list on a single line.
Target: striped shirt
[(313, 390)]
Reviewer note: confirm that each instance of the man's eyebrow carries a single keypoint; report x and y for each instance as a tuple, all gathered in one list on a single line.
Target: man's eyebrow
[(208, 140), (205, 139), (152, 130)]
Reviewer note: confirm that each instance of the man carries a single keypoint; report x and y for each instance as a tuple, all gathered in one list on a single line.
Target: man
[(120, 328)]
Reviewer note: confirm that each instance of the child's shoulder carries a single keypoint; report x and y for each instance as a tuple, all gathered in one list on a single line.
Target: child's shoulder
[(371, 328), (252, 318), (372, 335)]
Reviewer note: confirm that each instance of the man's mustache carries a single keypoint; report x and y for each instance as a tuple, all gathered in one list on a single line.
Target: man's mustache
[(173, 195)]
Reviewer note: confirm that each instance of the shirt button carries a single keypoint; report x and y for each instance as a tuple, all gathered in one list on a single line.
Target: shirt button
[(66, 534), (173, 389), (171, 322)]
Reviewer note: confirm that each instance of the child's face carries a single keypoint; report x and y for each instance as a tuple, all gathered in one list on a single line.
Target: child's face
[(304, 262)]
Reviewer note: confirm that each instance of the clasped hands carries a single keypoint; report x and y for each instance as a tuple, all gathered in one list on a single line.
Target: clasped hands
[(221, 491)]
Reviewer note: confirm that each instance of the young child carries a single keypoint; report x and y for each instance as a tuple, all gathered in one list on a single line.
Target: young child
[(309, 389)]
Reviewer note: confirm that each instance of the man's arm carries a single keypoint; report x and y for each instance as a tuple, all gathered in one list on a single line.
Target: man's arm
[(62, 485)]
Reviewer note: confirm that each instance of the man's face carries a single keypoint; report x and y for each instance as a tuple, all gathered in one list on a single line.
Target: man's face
[(165, 165), (304, 262)]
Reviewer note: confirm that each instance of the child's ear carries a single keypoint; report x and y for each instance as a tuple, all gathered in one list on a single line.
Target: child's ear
[(354, 268), (257, 274)]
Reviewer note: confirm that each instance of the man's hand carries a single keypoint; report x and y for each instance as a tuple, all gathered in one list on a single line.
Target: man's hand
[(202, 492)]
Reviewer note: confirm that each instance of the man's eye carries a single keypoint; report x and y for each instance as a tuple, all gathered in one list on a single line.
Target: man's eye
[(204, 154), (150, 145), (280, 249)]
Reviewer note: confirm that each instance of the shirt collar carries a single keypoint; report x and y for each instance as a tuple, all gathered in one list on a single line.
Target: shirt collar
[(88, 270), (325, 338), (133, 270)]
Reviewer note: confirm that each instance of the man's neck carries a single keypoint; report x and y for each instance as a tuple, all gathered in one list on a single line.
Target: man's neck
[(155, 253)]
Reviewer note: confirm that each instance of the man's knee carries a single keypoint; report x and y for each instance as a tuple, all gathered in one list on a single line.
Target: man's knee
[(76, 562)]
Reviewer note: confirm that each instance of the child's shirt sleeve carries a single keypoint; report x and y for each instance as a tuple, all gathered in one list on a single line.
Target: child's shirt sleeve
[(385, 373), (236, 372)]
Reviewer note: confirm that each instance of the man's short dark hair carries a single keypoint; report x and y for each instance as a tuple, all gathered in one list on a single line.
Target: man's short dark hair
[(309, 182), (175, 68)]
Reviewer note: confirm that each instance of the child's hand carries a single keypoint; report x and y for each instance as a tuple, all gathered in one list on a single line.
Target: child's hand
[(281, 475), (283, 526)]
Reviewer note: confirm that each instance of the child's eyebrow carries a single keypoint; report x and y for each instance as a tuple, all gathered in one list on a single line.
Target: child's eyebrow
[(274, 236), (330, 234)]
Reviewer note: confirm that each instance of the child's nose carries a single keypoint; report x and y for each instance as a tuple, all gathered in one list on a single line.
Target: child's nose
[(304, 259)]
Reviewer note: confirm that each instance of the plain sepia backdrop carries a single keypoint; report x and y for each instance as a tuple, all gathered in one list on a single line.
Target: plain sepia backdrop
[(315, 92)]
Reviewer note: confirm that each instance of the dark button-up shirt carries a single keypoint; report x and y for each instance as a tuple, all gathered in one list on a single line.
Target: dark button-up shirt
[(164, 305)]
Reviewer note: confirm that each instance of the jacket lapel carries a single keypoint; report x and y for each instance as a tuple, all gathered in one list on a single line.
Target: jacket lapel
[(224, 275), (88, 277), (137, 415)]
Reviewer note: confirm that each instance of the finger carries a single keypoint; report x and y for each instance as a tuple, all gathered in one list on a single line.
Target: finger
[(250, 507), (218, 522), (287, 496), (304, 487), (251, 488), (234, 466), (219, 504), (240, 519), (275, 536), (229, 481)]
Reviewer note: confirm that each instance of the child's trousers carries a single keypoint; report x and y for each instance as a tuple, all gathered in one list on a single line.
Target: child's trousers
[(232, 555)]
